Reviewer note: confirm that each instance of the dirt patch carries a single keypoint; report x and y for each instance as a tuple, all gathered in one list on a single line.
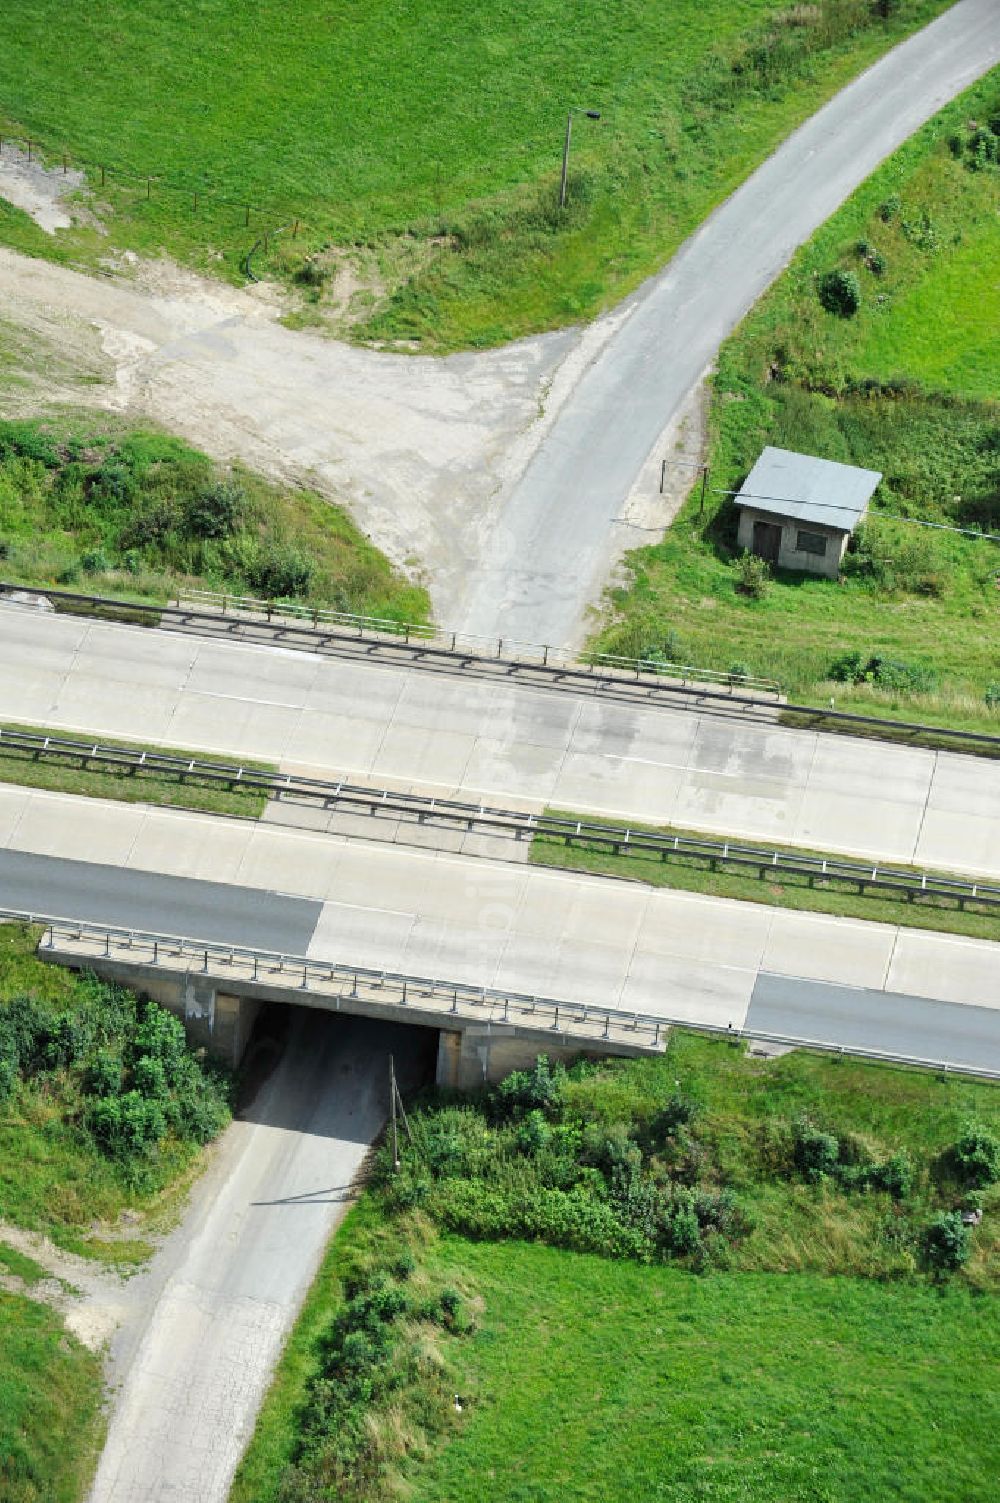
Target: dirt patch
[(416, 448), (40, 191), (93, 1301)]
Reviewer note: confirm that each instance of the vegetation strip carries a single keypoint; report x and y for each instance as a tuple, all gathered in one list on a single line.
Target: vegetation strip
[(127, 771), (715, 1274), (786, 876), (631, 686), (103, 1106), (147, 516)]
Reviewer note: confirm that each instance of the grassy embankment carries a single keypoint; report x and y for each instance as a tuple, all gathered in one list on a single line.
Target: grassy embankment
[(102, 1107), (774, 888), (98, 508), (422, 145), (909, 386), (764, 1323), (50, 1402)]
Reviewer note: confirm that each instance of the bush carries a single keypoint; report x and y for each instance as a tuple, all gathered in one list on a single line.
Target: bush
[(992, 696), (816, 1153), (840, 293), (95, 561), (215, 512), (541, 1088), (277, 570), (127, 1126), (894, 1176), (885, 673), (976, 1157), (946, 1243), (23, 440), (753, 575)]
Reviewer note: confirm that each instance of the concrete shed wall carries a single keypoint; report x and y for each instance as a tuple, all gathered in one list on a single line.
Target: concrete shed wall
[(790, 556)]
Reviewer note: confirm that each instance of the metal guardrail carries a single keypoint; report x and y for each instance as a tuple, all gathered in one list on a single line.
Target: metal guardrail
[(498, 1007), (590, 677), (471, 644), (473, 817)]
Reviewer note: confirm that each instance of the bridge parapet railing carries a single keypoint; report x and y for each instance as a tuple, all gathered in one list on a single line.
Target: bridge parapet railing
[(473, 645), (79, 942), (564, 1019)]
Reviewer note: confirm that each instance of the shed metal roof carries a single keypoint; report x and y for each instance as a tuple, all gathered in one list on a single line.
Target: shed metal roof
[(786, 484)]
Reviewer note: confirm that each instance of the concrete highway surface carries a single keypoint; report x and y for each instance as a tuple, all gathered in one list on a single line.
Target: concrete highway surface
[(660, 952), (222, 1294), (414, 727), (552, 541)]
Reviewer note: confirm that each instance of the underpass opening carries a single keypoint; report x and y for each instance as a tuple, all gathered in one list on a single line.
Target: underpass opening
[(327, 1073)]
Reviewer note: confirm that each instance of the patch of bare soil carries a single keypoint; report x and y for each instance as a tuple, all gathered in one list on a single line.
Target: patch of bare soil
[(92, 1300), (40, 191)]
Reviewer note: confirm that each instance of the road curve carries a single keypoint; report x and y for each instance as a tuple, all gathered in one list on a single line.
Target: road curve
[(551, 544)]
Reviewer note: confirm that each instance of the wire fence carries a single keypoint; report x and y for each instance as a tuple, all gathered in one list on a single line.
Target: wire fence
[(199, 195), (480, 818)]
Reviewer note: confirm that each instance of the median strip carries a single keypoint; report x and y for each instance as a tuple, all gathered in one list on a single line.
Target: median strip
[(780, 875), (131, 772)]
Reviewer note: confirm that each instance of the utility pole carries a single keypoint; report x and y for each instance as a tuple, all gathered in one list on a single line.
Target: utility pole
[(392, 1113), (565, 166)]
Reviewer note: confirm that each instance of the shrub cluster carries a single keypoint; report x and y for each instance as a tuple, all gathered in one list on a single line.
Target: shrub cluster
[(819, 1155), (885, 673), (129, 1074), (978, 145), (525, 1163), (150, 504), (368, 1355), (895, 563)]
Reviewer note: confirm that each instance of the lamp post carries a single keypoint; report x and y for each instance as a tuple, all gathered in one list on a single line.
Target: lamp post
[(591, 115)]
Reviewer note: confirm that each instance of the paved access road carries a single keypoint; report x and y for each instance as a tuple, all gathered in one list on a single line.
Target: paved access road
[(223, 1292), (551, 543), (656, 951), (467, 738)]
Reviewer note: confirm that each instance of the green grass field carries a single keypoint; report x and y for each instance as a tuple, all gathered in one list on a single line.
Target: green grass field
[(908, 386), (596, 1381), (425, 142), (50, 1406), (810, 1362)]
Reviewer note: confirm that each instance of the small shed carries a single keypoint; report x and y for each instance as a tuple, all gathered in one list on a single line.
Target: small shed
[(798, 511)]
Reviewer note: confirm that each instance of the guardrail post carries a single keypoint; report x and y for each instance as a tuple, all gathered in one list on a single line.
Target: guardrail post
[(156, 952), (205, 965), (304, 983)]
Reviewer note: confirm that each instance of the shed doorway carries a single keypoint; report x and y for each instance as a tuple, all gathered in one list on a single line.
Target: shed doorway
[(767, 541)]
